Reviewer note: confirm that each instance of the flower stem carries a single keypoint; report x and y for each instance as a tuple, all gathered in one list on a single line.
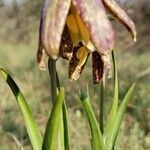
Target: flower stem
[(102, 96), (52, 72)]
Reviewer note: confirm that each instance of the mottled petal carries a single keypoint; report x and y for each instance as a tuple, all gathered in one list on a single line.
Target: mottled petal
[(66, 45), (41, 52), (98, 67), (107, 64), (121, 15), (53, 17), (40, 58), (95, 18), (78, 61)]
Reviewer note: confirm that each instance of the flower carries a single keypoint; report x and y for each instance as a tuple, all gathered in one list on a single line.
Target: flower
[(72, 29)]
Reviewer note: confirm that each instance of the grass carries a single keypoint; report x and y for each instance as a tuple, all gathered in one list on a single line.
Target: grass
[(20, 61)]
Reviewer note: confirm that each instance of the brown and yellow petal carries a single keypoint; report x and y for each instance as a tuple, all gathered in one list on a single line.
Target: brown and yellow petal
[(78, 61), (121, 15), (94, 16), (66, 46), (77, 27), (98, 67), (53, 20)]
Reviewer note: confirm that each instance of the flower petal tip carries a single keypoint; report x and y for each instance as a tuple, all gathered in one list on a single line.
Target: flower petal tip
[(54, 57), (42, 66), (41, 63), (40, 58), (98, 67), (135, 37), (117, 12), (78, 61)]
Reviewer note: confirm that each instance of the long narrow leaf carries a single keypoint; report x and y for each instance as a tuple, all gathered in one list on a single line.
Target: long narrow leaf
[(32, 128), (112, 114), (61, 141), (52, 133), (65, 120), (119, 119), (66, 128), (97, 139)]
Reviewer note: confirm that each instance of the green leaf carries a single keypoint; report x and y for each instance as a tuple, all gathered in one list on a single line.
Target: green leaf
[(119, 118), (61, 142), (97, 139), (32, 128), (65, 119), (52, 133), (114, 107), (66, 128)]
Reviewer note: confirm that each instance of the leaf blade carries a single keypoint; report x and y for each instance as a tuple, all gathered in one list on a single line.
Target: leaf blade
[(113, 111), (97, 139), (65, 119), (51, 137), (66, 128), (32, 128), (119, 118)]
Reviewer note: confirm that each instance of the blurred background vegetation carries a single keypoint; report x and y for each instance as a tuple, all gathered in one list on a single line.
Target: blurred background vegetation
[(19, 20)]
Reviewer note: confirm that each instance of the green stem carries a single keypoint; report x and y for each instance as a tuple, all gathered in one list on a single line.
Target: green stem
[(52, 72), (57, 81), (102, 96)]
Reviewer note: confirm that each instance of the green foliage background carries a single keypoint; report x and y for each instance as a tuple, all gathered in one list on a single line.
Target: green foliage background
[(18, 44)]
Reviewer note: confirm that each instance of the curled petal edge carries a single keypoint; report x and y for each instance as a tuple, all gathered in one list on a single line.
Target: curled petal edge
[(122, 16)]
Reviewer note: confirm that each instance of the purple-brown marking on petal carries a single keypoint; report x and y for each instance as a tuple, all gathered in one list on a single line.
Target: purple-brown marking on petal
[(53, 17), (75, 69), (66, 45), (94, 16), (97, 68), (121, 15), (41, 52)]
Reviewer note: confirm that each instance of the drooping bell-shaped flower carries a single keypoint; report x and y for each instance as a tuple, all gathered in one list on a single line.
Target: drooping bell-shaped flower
[(72, 29)]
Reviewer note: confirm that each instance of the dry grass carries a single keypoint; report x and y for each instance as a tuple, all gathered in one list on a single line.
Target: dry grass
[(20, 60)]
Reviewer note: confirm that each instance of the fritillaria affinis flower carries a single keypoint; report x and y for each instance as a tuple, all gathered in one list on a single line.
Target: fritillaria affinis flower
[(72, 29)]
